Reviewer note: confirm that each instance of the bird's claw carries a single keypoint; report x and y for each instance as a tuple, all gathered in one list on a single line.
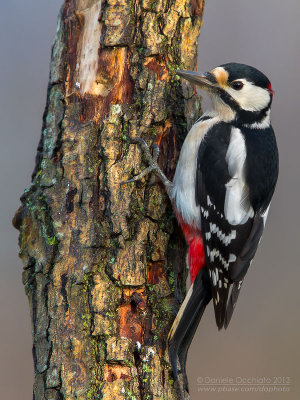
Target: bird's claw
[(146, 149), (152, 160)]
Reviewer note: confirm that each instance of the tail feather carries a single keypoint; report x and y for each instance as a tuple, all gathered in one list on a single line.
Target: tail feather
[(235, 291), (178, 331), (186, 342), (187, 320)]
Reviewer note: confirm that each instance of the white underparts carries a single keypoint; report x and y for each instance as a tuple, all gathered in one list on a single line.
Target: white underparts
[(237, 207), (183, 191)]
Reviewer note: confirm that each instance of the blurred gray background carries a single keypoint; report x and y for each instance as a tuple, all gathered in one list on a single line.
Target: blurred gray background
[(263, 337)]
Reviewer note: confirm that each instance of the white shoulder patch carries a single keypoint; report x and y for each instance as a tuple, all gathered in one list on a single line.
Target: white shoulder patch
[(237, 207)]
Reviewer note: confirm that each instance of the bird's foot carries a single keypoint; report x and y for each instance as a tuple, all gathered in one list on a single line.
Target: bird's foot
[(153, 165)]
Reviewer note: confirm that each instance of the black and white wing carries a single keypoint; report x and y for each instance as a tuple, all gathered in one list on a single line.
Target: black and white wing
[(231, 227)]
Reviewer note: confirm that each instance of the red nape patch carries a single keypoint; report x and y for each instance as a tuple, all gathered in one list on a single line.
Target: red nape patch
[(196, 257), (271, 91)]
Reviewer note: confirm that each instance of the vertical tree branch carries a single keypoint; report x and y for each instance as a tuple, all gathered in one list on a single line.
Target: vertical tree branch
[(99, 258)]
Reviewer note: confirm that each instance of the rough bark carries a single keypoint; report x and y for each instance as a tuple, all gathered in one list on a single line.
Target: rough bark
[(103, 262)]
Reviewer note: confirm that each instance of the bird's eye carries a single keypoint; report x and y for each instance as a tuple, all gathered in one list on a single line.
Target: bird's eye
[(237, 85)]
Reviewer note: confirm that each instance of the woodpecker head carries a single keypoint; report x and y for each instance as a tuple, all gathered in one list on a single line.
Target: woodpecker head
[(238, 92)]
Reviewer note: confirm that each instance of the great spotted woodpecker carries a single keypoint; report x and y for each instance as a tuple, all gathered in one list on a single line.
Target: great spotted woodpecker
[(221, 193)]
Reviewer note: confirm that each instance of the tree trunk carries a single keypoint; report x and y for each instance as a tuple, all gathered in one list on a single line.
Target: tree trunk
[(103, 262)]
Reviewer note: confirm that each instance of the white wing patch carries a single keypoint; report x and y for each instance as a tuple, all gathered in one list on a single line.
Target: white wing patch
[(237, 206)]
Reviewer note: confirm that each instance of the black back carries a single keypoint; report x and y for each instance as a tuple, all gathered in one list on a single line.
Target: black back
[(262, 166), (261, 170)]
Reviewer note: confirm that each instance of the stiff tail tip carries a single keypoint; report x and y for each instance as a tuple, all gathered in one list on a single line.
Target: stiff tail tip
[(186, 323)]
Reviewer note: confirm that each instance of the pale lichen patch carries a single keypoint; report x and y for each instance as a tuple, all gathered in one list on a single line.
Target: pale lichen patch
[(119, 350)]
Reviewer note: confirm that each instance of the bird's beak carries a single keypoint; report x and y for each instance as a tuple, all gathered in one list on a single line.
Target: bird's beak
[(204, 80)]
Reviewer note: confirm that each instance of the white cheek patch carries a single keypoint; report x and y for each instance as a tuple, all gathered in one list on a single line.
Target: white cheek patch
[(250, 97)]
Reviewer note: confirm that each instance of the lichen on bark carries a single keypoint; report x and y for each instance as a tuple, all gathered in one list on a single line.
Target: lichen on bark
[(102, 262)]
